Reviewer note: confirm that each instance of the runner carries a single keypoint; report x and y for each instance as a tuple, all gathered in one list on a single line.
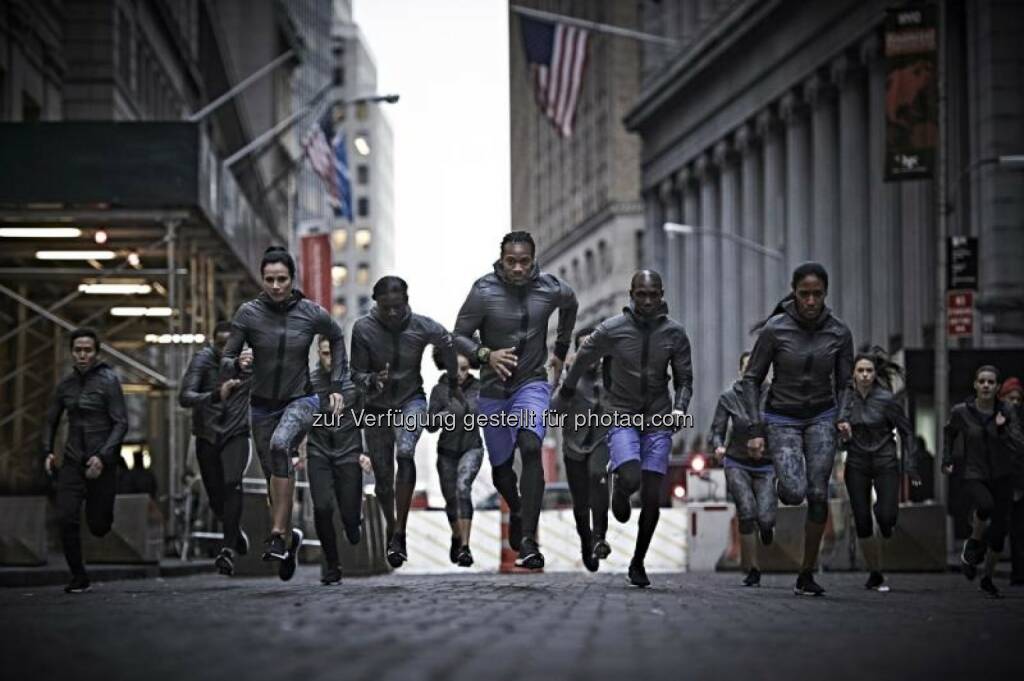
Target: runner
[(387, 351), (220, 424), (510, 308), (810, 353), (749, 476), (280, 325), (459, 453), (643, 343), (97, 422), (585, 452)]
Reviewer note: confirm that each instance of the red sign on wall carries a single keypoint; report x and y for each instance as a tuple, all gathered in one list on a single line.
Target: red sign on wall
[(960, 313), (316, 269)]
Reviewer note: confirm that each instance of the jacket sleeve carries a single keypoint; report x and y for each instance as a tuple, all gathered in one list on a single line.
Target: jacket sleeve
[(229, 358), (53, 415), (682, 373), (719, 425), (843, 377), (898, 420), (362, 375), (118, 414), (597, 345), (190, 395), (567, 309), (439, 337), (332, 331), (437, 405), (950, 433), (757, 369), (470, 319), (1011, 432)]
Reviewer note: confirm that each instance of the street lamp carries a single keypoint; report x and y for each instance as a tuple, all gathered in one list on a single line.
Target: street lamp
[(671, 228)]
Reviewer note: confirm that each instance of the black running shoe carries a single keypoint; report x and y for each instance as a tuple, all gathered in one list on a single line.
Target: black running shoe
[(274, 548), (590, 560), (988, 588), (332, 575), (530, 556), (971, 556), (620, 504), (465, 557), (453, 550), (806, 586), (79, 584), (286, 570), (354, 533), (753, 578), (396, 551), (225, 562), (638, 575), (767, 536), (601, 548), (515, 530), (242, 545), (876, 582)]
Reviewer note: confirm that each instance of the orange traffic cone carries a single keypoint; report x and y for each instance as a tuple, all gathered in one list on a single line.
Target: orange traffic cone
[(508, 554)]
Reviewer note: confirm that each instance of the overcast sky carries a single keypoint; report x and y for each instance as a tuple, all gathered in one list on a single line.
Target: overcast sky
[(448, 59)]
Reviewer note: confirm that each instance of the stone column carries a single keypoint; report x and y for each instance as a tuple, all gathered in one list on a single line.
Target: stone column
[(854, 200), (673, 258), (793, 112), (708, 337), (821, 95), (883, 235), (773, 171), (730, 271), (690, 188), (654, 235), (752, 263)]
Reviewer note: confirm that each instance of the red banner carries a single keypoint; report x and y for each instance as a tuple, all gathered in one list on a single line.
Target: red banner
[(960, 314), (316, 269), (911, 93)]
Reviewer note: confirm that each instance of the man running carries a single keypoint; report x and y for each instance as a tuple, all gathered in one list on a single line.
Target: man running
[(387, 351), (220, 423), (510, 308), (643, 343), (97, 422)]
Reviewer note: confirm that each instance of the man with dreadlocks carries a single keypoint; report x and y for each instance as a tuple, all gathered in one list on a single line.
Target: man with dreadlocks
[(510, 308), (871, 456)]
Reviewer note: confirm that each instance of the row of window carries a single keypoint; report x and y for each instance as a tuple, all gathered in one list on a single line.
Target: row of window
[(594, 268), (340, 307), (362, 238), (339, 274)]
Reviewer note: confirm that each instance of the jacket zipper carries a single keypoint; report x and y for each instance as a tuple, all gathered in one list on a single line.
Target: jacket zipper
[(281, 344)]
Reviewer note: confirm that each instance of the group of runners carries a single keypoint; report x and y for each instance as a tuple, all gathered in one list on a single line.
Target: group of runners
[(778, 440)]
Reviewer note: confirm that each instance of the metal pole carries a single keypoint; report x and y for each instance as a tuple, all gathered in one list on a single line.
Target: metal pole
[(592, 25), (242, 84), (172, 369), (941, 378)]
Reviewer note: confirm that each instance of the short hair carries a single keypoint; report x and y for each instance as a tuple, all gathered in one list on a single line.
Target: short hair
[(519, 237), (222, 326), (84, 332), (389, 283), (984, 368)]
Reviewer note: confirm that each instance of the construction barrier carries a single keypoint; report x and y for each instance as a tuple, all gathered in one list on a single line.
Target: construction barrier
[(23, 530), (137, 535)]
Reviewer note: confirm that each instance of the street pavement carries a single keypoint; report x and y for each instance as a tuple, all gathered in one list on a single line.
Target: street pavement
[(491, 627)]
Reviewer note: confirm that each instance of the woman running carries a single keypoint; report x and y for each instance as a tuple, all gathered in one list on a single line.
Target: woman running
[(989, 436), (279, 325), (1012, 393), (335, 476), (749, 476), (811, 354), (387, 350), (872, 460), (585, 452), (460, 452)]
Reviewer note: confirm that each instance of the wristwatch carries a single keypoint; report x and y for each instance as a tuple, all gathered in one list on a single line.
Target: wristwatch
[(483, 355)]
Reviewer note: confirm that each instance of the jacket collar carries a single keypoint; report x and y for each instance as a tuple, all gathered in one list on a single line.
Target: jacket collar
[(402, 323), (499, 272), (659, 315), (790, 309), (284, 305)]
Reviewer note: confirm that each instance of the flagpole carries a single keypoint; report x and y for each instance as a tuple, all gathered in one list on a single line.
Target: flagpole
[(592, 25)]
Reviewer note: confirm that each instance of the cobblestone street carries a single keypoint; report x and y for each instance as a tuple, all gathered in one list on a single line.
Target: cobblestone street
[(567, 626)]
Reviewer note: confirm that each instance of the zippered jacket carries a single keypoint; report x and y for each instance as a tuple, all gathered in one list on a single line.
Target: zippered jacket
[(212, 418), (97, 417)]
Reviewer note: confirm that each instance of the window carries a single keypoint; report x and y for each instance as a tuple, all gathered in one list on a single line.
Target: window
[(340, 239), (363, 274), (339, 275), (363, 239), (604, 262), (575, 272), (562, 273), (364, 207), (591, 270), (339, 76), (340, 308), (640, 248), (363, 174), (364, 305)]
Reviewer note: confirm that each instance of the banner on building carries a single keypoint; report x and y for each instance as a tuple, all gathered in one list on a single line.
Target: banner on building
[(962, 263), (316, 269), (911, 93)]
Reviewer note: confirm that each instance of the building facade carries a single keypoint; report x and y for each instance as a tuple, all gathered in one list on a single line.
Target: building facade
[(580, 196), (764, 131)]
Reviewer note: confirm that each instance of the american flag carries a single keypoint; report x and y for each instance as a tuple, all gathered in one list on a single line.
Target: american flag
[(328, 154), (557, 55)]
